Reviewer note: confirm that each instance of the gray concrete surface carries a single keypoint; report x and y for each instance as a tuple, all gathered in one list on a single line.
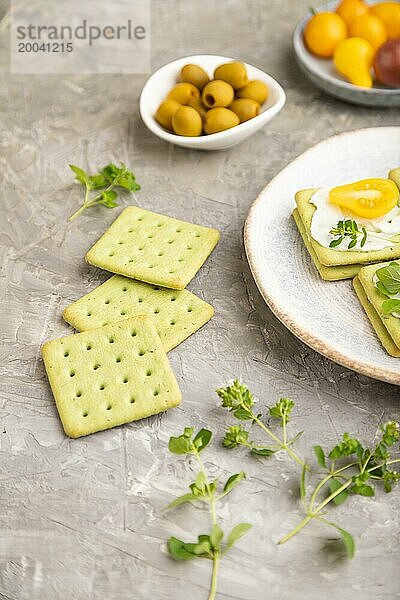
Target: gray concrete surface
[(82, 519)]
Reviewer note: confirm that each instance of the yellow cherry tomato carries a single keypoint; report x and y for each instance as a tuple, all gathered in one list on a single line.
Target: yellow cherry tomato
[(353, 58), (370, 28), (369, 198), (323, 33), (389, 13), (350, 9)]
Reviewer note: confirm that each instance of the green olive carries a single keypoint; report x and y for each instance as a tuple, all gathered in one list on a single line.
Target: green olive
[(195, 75), (183, 93), (255, 90), (187, 121), (165, 112), (234, 73), (219, 119), (198, 105), (217, 93), (245, 108)]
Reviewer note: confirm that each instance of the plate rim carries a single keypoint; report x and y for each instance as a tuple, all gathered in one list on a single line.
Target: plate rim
[(380, 373)]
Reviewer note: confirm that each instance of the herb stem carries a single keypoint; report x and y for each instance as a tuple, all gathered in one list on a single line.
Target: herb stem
[(296, 530), (214, 577), (282, 445)]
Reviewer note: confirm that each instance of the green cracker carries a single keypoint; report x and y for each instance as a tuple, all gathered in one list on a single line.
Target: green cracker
[(376, 298), (109, 376), (327, 273), (153, 248), (331, 257), (376, 322), (177, 314)]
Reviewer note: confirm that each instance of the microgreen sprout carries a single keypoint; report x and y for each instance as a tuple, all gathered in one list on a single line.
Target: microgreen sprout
[(213, 545), (238, 399), (348, 469), (348, 229), (109, 177)]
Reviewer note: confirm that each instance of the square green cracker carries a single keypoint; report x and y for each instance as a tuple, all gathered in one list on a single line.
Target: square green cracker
[(376, 298), (375, 320), (331, 257), (109, 376), (153, 248), (176, 313), (327, 273)]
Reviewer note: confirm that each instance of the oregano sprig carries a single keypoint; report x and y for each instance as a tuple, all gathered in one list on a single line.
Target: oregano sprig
[(238, 399), (348, 469), (213, 545), (348, 229), (108, 178)]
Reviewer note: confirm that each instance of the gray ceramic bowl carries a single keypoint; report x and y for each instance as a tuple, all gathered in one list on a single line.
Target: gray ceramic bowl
[(323, 74)]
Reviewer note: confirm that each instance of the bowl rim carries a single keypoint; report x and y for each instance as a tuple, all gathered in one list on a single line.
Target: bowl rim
[(301, 51), (155, 128)]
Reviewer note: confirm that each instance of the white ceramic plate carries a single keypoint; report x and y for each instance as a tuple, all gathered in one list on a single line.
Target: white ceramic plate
[(325, 315), (158, 85), (324, 75)]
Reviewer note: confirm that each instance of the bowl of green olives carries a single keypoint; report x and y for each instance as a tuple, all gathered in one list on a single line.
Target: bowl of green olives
[(209, 102)]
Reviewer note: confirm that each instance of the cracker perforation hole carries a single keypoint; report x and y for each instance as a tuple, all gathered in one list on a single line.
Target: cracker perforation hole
[(140, 218), (190, 309), (171, 241), (107, 301), (156, 311), (160, 224), (111, 340), (111, 253), (140, 299), (121, 242), (173, 298), (160, 254), (125, 380), (72, 373), (197, 235), (133, 333), (88, 347), (181, 259), (88, 314), (189, 247), (132, 400), (178, 230), (78, 394), (123, 312), (141, 248), (108, 407), (124, 289), (102, 387), (173, 322), (155, 393), (118, 359), (96, 366), (85, 413), (141, 352), (156, 288), (66, 353), (149, 373)]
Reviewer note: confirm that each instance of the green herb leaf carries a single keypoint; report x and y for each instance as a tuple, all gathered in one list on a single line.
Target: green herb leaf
[(202, 439), (334, 485), (262, 451), (216, 537), (233, 481), (177, 549), (347, 538), (389, 277), (182, 500), (237, 532), (390, 306), (80, 174), (183, 443), (347, 447), (320, 454)]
